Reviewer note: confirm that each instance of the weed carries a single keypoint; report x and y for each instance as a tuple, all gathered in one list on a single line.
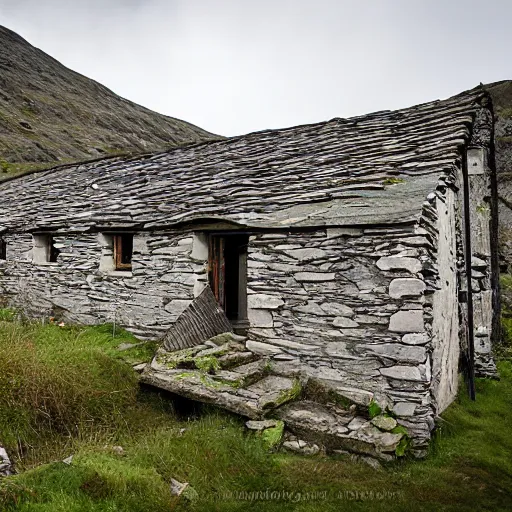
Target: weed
[(374, 409)]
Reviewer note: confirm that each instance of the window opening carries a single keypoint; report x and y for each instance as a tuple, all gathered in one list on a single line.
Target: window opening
[(44, 249), (53, 252), (123, 251)]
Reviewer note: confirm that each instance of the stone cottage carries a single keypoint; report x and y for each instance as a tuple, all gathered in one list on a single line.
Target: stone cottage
[(356, 256)]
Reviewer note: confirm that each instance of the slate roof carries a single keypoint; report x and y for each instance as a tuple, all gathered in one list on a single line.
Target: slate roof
[(372, 169)]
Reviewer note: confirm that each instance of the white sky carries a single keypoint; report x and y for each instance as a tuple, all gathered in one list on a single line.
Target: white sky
[(235, 66)]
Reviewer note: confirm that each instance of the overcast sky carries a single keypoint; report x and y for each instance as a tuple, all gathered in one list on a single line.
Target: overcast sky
[(235, 66)]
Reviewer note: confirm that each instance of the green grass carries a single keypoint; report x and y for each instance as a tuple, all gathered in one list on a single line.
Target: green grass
[(505, 348), (9, 169), (74, 395), (504, 112), (58, 384)]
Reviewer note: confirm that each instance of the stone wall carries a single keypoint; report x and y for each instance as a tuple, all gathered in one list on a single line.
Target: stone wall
[(483, 241), (348, 307), (483, 210), (168, 270), (445, 302)]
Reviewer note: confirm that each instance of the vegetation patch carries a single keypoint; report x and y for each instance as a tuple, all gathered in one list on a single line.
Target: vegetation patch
[(7, 315), (8, 169), (207, 364), (272, 436), (58, 382), (405, 444), (504, 349), (374, 409), (468, 468), (393, 181)]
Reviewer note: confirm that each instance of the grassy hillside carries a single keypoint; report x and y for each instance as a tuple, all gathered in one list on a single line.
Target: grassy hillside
[(69, 391), (50, 114)]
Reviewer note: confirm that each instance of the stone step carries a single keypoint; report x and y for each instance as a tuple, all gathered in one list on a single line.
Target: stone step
[(275, 391), (245, 390), (317, 423), (199, 386), (208, 357), (243, 375)]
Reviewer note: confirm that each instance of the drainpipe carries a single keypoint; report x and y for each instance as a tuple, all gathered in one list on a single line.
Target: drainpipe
[(470, 369)]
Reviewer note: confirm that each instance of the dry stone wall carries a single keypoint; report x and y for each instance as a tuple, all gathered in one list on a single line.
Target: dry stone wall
[(350, 308), (165, 277)]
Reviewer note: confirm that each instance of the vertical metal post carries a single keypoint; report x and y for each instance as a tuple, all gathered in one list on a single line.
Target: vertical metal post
[(468, 252)]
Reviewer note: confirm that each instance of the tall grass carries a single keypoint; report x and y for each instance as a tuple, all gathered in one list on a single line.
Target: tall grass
[(59, 384)]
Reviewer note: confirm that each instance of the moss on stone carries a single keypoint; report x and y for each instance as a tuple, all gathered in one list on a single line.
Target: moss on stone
[(221, 339), (319, 392), (384, 422), (339, 400), (176, 359), (239, 383), (207, 364), (204, 378), (185, 375), (272, 436), (287, 395), (186, 359), (393, 181)]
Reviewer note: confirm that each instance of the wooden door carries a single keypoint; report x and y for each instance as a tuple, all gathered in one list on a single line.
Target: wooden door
[(217, 269)]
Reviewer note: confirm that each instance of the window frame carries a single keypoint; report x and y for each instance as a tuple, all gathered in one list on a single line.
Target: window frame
[(43, 249)]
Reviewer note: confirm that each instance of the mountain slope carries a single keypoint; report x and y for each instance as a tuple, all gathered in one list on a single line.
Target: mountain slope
[(50, 114), (501, 93)]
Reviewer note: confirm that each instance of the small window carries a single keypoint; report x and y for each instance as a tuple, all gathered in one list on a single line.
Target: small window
[(227, 273), (123, 251), (54, 252), (44, 249), (3, 249)]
